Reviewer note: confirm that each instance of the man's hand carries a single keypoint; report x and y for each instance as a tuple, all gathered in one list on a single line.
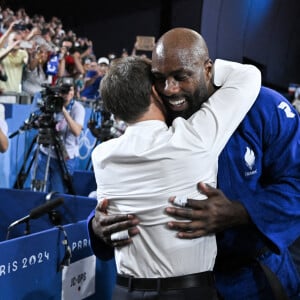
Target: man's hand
[(209, 216), (104, 226)]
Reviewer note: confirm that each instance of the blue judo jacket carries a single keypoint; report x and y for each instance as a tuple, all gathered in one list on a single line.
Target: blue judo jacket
[(260, 167)]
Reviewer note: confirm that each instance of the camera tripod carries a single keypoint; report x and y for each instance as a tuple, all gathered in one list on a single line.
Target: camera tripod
[(49, 137), (46, 137)]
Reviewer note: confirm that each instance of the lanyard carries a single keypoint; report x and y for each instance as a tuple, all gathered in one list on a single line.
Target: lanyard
[(70, 106)]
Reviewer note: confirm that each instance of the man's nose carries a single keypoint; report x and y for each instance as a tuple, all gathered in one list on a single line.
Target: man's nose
[(171, 86)]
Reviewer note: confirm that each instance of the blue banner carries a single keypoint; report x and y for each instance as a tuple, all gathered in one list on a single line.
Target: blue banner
[(50, 262)]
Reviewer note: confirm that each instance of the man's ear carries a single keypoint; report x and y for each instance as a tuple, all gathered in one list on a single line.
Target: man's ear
[(208, 67), (155, 94), (158, 101)]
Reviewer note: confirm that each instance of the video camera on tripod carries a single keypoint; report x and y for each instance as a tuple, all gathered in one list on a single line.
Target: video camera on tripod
[(50, 103)]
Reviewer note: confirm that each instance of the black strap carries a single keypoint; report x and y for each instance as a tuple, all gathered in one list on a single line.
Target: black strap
[(275, 284)]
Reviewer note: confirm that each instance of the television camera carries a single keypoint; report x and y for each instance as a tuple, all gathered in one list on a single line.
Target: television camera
[(48, 104), (51, 100)]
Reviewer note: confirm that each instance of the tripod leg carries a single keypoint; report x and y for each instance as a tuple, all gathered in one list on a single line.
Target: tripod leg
[(40, 185), (22, 175), (34, 184), (66, 176), (44, 184)]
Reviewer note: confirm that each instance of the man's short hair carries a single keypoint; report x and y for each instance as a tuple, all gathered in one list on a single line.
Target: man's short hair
[(126, 88)]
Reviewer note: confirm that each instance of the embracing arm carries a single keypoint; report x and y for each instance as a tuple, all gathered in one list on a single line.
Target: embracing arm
[(99, 247), (271, 202), (212, 215), (101, 226), (221, 114)]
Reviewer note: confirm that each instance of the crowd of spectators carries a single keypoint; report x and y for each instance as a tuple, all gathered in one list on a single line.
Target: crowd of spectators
[(35, 52)]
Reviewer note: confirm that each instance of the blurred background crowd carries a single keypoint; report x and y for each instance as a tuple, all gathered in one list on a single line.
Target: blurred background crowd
[(35, 52)]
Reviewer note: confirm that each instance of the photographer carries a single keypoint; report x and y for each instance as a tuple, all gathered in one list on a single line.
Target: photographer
[(13, 59), (70, 63), (34, 75), (67, 125)]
